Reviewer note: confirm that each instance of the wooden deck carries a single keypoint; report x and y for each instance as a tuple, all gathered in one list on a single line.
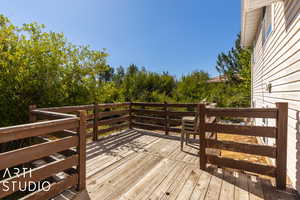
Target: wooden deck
[(137, 165)]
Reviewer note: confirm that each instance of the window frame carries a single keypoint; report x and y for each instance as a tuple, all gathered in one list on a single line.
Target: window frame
[(267, 31)]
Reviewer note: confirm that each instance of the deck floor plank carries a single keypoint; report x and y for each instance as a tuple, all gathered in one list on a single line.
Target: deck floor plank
[(255, 189), (189, 185), (149, 183), (215, 185), (177, 184), (200, 189), (148, 166), (162, 188), (113, 186), (227, 190), (241, 190)]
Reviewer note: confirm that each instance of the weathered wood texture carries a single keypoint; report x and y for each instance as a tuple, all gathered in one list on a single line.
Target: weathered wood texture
[(103, 118), (242, 165), (161, 116), (95, 121), (152, 166), (260, 131), (46, 149), (279, 132), (242, 112), (256, 149), (12, 133), (201, 127), (166, 117), (281, 143), (81, 151), (38, 174)]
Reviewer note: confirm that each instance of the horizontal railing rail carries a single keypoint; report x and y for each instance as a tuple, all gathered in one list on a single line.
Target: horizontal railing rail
[(101, 118), (278, 132), (12, 133), (24, 157), (105, 118), (51, 115), (242, 112), (161, 116), (68, 109), (70, 125)]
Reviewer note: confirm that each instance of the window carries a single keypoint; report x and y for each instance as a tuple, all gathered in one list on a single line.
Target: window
[(267, 22)]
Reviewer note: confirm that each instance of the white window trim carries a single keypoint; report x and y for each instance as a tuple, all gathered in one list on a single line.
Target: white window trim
[(265, 40)]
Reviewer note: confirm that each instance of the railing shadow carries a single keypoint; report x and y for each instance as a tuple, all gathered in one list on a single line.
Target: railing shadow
[(126, 140), (112, 145), (258, 187)]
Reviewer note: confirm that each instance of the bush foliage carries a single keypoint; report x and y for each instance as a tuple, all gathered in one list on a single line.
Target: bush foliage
[(43, 68)]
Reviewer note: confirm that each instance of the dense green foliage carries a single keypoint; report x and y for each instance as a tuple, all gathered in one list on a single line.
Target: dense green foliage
[(235, 65), (43, 68)]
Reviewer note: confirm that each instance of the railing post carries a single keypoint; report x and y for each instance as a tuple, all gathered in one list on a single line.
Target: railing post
[(81, 151), (32, 117), (281, 145), (130, 115), (201, 131), (166, 118), (95, 127)]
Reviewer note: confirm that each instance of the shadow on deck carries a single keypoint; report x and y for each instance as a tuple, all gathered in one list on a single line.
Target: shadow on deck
[(136, 165)]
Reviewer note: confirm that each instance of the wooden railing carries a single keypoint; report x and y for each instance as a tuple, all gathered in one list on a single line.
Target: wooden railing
[(105, 118), (161, 116), (101, 118), (278, 132), (166, 117), (72, 147), (70, 132), (116, 116)]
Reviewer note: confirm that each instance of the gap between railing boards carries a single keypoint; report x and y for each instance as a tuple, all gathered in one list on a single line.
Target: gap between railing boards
[(167, 117), (44, 151)]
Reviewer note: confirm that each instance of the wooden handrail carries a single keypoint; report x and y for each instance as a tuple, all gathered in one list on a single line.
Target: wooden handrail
[(242, 112), (47, 148), (51, 115), (162, 116), (38, 174), (67, 109), (259, 131), (12, 133), (279, 132), (158, 118)]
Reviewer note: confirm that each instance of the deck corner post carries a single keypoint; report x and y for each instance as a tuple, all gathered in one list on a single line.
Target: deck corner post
[(32, 117), (81, 150), (166, 118), (95, 126), (281, 144), (201, 131), (130, 115)]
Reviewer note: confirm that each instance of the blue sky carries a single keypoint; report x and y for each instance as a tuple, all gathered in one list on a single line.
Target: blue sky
[(162, 35)]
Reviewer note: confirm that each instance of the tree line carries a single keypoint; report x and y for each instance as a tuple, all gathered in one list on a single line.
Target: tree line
[(44, 68)]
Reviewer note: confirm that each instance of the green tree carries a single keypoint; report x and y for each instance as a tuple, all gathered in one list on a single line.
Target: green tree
[(193, 87), (43, 68), (236, 66)]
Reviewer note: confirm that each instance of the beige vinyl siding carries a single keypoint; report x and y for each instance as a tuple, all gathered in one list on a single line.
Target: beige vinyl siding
[(277, 62)]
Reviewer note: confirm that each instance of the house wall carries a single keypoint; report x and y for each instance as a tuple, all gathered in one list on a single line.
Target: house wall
[(277, 62)]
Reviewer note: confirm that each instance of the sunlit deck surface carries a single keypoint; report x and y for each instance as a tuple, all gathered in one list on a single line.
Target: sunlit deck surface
[(137, 165)]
